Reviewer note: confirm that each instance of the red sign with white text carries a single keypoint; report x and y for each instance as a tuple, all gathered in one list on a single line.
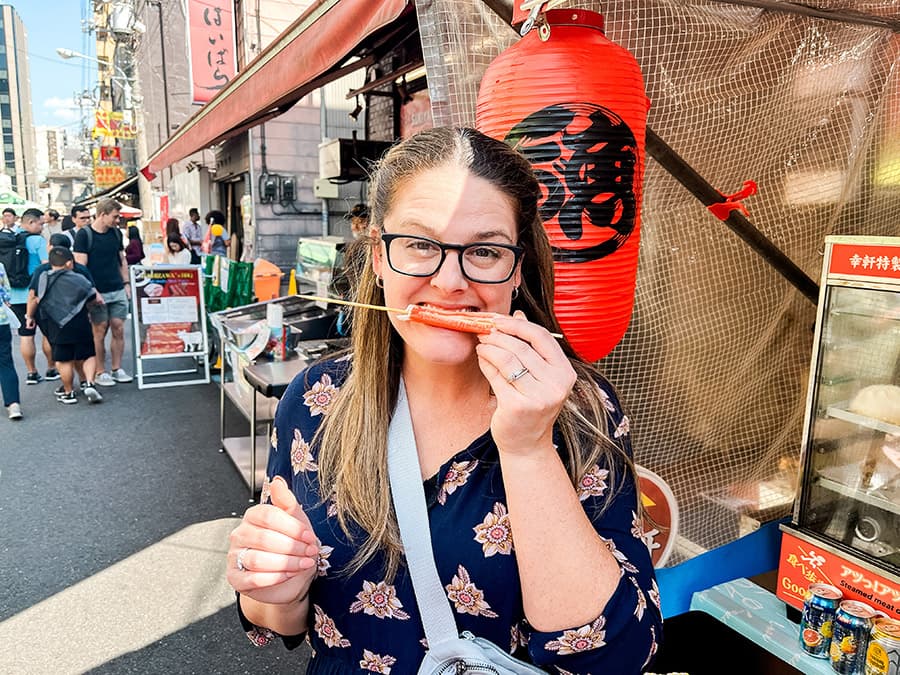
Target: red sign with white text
[(865, 260), (801, 564), (212, 47)]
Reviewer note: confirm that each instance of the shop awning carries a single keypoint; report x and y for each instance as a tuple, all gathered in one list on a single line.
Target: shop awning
[(110, 192), (309, 54)]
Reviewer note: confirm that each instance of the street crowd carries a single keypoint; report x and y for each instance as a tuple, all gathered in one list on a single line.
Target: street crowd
[(68, 280)]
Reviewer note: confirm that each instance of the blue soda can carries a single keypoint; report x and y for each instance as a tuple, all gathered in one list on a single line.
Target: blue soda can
[(818, 619), (852, 625)]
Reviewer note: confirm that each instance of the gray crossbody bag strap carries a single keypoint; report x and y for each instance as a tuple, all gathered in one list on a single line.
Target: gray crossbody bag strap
[(412, 517)]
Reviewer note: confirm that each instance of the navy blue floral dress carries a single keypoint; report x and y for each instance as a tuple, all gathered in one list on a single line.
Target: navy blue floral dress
[(363, 623)]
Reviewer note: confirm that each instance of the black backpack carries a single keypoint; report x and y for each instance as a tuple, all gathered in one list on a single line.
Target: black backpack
[(14, 256)]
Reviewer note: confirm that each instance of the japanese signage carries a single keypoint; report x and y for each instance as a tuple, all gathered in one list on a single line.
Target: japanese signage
[(167, 300), (110, 154), (108, 176), (865, 260), (415, 114), (212, 47), (802, 564), (112, 125), (163, 213)]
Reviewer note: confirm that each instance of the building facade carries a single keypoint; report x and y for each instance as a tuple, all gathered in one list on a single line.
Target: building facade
[(16, 122)]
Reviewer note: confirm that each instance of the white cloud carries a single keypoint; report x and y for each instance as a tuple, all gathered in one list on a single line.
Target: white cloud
[(63, 109)]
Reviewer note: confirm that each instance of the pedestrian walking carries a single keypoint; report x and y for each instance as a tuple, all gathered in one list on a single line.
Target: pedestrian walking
[(9, 379), (99, 247), (60, 305), (192, 230), (63, 240), (134, 252), (218, 237), (52, 224), (34, 246)]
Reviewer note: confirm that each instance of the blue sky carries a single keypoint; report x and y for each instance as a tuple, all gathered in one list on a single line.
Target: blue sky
[(54, 81)]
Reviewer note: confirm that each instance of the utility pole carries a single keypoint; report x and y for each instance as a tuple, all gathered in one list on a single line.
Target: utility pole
[(165, 76)]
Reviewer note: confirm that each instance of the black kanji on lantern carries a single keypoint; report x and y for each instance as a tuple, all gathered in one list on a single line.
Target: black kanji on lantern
[(585, 157)]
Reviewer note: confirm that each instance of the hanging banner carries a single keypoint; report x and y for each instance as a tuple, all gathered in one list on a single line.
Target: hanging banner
[(212, 47), (163, 213), (415, 114), (110, 153), (112, 125), (108, 176)]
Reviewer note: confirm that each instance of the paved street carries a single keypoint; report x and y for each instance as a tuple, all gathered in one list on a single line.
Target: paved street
[(113, 528)]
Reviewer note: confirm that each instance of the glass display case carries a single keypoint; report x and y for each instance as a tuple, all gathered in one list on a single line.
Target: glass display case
[(845, 529)]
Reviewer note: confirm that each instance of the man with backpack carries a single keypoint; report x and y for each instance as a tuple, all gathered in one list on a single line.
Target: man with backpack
[(60, 307), (98, 246), (21, 251)]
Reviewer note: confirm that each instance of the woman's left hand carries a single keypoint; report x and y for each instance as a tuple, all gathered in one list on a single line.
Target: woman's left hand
[(531, 378)]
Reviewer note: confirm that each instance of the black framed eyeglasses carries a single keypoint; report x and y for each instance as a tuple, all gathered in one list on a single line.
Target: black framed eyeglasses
[(480, 262)]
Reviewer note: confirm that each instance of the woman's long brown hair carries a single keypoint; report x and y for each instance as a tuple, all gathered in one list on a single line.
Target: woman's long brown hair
[(353, 436)]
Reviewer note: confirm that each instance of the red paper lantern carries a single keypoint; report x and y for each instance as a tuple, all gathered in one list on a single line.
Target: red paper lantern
[(574, 105)]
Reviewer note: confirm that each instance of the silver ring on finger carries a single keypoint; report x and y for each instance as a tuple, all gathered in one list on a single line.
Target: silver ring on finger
[(239, 563), (520, 373)]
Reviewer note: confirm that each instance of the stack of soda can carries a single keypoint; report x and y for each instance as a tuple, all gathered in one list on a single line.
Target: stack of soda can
[(848, 633)]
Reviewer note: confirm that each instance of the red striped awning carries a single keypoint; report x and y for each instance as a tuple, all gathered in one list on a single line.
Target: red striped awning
[(304, 57)]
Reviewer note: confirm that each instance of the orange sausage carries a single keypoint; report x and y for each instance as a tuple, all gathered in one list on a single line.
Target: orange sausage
[(466, 322)]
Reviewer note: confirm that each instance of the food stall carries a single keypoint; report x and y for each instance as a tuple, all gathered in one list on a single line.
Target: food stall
[(845, 529), (263, 345)]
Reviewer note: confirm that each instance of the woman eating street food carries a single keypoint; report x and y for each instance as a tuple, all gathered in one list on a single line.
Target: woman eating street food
[(524, 450)]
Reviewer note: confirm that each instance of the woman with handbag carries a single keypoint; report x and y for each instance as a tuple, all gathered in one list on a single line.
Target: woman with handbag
[(529, 509)]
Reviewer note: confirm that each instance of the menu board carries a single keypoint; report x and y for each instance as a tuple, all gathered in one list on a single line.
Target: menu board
[(167, 306)]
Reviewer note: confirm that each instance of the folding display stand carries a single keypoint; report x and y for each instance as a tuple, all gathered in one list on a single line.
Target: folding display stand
[(169, 326)]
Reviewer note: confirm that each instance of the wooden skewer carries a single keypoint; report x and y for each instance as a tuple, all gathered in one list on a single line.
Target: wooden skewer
[(335, 301)]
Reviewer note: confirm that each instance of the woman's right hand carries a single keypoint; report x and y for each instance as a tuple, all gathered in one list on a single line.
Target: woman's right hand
[(280, 551)]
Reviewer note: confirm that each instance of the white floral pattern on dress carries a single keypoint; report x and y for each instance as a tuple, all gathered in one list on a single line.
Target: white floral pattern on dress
[(593, 483), (260, 636), (494, 533), (456, 476), (624, 564), (654, 595), (579, 640), (327, 631), (607, 401), (647, 536), (623, 428), (265, 492), (319, 397), (376, 663), (466, 597), (379, 600), (653, 646), (301, 455), (322, 564), (641, 599), (517, 638)]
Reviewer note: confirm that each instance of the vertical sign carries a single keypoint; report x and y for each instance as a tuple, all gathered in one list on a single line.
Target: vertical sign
[(163, 214), (212, 47)]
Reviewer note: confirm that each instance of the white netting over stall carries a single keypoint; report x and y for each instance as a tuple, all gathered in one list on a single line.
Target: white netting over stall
[(715, 362)]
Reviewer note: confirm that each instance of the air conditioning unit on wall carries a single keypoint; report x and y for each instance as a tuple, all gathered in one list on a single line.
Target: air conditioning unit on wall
[(348, 159)]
